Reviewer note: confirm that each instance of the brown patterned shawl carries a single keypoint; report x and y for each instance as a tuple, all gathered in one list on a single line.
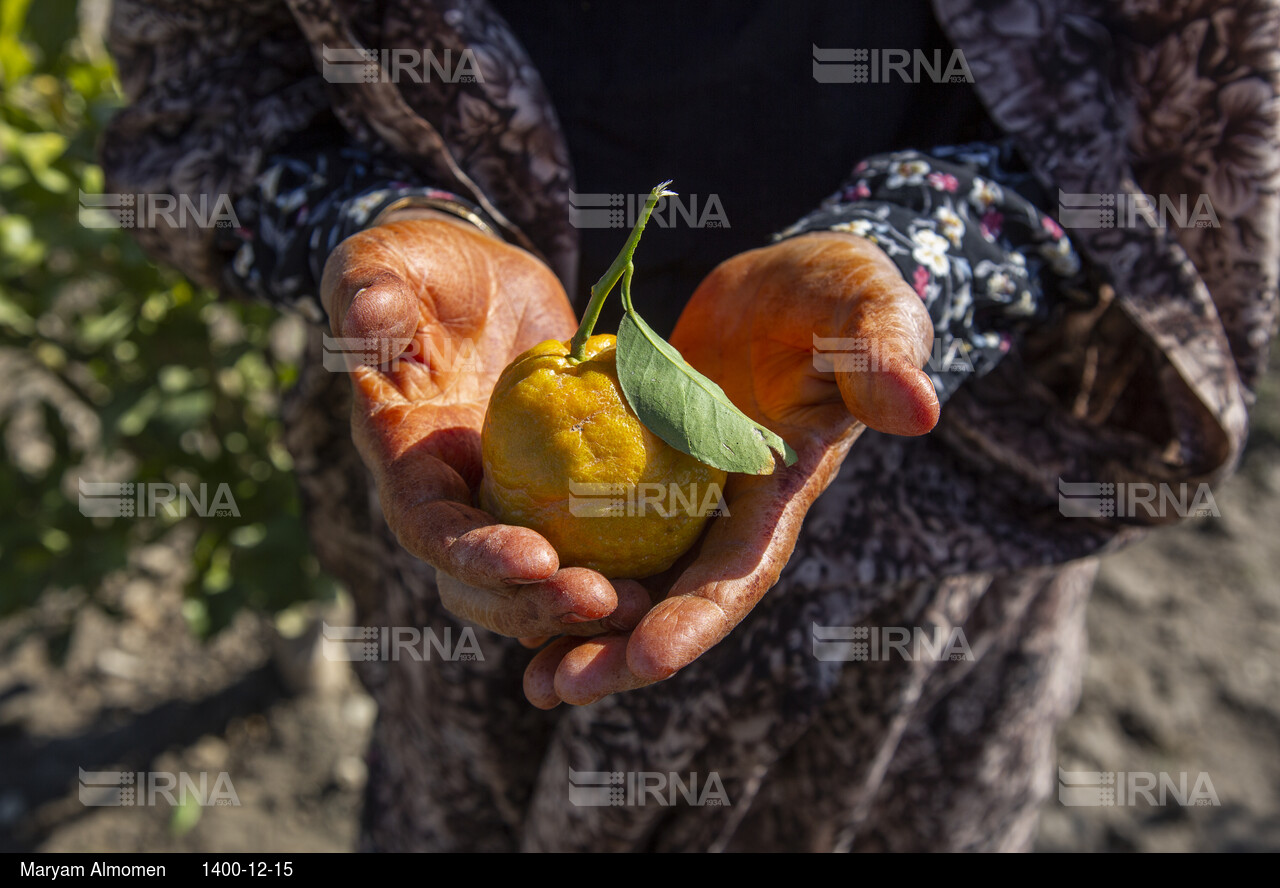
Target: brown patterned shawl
[(959, 528)]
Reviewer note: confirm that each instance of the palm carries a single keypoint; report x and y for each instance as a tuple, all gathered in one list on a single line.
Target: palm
[(478, 305)]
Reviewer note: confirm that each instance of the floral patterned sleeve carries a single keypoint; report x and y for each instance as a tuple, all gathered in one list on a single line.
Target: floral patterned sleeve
[(960, 227), (302, 206)]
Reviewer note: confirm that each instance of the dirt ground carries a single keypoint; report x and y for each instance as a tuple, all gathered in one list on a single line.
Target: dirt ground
[(1183, 675)]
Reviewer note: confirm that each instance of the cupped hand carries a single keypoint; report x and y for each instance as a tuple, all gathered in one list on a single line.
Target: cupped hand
[(428, 312), (750, 327)]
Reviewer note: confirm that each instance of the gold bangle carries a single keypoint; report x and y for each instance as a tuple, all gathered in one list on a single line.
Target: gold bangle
[(452, 207)]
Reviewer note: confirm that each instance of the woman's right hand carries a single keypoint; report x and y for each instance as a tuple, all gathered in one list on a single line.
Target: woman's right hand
[(445, 308)]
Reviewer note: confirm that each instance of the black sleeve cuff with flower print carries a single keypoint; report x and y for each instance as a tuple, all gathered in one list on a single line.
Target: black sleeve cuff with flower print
[(960, 228), (300, 208)]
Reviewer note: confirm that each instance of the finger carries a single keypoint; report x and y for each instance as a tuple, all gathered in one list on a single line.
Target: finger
[(596, 668), (424, 475), (364, 292), (740, 559), (540, 674), (899, 399), (889, 393), (633, 603), (573, 597), (424, 504), (589, 675), (466, 543)]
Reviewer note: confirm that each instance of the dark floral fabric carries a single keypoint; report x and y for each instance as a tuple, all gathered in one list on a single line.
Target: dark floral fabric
[(957, 529), (984, 260), (302, 207), (974, 250)]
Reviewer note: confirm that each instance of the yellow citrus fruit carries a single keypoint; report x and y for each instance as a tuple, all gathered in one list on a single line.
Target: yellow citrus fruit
[(565, 455)]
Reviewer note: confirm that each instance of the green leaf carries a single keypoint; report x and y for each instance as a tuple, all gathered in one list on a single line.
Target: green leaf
[(40, 150), (688, 410), (186, 814)]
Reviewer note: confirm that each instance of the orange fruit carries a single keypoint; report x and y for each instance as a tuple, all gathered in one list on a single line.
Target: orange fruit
[(564, 454)]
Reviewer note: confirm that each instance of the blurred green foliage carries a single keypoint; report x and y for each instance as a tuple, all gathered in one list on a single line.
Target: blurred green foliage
[(117, 370)]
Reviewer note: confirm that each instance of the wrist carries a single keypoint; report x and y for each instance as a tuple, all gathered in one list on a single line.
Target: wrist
[(418, 214), (434, 208)]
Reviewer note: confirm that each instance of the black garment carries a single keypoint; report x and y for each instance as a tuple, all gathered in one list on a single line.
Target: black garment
[(722, 99)]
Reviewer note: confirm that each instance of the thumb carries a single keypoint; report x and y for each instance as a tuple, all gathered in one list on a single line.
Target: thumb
[(886, 389), (370, 305)]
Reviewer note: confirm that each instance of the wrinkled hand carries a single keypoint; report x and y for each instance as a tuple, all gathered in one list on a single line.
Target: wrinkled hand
[(750, 327), (447, 308)]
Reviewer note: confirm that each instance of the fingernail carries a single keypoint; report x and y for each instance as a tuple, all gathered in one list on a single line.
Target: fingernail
[(574, 618)]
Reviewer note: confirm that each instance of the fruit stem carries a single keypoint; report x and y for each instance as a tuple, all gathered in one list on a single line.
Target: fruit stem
[(621, 265), (626, 288)]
